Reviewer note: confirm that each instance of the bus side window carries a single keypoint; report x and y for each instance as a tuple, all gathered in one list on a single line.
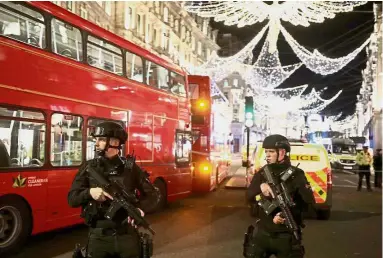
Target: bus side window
[(91, 142), (134, 67), (157, 76), (177, 84), (103, 55), (23, 138), (66, 40), (22, 24), (183, 148), (66, 140)]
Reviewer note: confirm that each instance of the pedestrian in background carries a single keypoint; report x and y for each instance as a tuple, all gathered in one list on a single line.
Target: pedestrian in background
[(364, 161), (377, 163)]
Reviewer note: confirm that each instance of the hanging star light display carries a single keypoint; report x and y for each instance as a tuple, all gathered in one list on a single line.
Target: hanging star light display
[(219, 67), (348, 122), (297, 13), (279, 101), (243, 13), (267, 71), (316, 61)]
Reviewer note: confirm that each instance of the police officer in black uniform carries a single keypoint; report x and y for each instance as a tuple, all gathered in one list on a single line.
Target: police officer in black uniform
[(272, 236), (118, 237)]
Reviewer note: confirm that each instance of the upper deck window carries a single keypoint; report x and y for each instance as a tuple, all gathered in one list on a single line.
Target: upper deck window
[(103, 55), (66, 40), (134, 67), (193, 91), (177, 84), (157, 76), (22, 24)]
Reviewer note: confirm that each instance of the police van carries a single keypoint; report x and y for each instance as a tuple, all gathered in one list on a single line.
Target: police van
[(313, 160)]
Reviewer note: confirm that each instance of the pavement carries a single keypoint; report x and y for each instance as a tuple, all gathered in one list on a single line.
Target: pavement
[(238, 180), (212, 225)]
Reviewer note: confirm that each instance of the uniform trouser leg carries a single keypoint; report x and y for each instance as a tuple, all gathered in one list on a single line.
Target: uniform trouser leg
[(100, 246), (360, 174), (128, 246), (261, 247), (378, 179), (123, 246), (368, 176), (286, 247)]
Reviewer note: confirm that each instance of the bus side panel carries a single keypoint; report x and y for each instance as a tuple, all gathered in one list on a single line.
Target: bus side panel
[(59, 214), (32, 187)]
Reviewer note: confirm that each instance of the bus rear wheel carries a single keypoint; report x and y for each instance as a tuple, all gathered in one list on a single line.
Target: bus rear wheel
[(15, 224)]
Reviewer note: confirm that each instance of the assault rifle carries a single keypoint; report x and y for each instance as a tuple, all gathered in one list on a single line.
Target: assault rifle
[(121, 199), (281, 200)]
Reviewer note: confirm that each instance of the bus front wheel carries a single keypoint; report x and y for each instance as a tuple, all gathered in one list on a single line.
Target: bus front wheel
[(15, 224)]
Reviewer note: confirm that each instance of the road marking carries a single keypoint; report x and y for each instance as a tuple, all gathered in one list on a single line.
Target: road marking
[(347, 172), (335, 176), (353, 183), (345, 186)]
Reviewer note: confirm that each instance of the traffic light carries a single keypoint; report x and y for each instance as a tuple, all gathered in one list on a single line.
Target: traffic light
[(249, 111)]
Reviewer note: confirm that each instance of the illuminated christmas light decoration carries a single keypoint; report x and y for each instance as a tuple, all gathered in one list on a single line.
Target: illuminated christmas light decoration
[(317, 62), (335, 118), (219, 67), (349, 122), (215, 91), (267, 71), (243, 13), (282, 101)]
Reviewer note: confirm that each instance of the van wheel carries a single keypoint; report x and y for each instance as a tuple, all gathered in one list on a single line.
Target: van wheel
[(15, 224), (161, 204), (323, 214)]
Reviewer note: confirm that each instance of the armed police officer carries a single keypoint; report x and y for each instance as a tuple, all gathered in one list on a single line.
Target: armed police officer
[(117, 237), (272, 235)]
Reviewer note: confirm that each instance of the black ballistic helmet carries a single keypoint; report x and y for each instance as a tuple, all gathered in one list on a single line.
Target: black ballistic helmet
[(111, 130), (276, 141)]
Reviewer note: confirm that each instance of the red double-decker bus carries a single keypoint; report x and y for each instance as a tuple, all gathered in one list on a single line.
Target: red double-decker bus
[(211, 153), (60, 75)]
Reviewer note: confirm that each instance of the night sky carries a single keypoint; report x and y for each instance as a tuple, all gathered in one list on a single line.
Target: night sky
[(334, 38)]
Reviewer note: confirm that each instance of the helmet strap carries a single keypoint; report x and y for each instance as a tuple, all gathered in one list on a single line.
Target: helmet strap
[(277, 155)]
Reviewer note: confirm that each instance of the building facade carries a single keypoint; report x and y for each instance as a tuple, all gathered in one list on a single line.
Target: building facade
[(370, 98), (162, 27)]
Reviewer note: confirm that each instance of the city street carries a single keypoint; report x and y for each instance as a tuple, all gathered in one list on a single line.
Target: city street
[(213, 225)]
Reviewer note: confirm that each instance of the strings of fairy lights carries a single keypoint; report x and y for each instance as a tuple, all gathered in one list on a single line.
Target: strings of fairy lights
[(267, 73)]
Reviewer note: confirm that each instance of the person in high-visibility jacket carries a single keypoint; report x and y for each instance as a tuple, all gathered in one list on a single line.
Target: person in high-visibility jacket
[(364, 161)]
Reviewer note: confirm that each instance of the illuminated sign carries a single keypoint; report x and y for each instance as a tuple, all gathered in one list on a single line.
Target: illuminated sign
[(304, 157)]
